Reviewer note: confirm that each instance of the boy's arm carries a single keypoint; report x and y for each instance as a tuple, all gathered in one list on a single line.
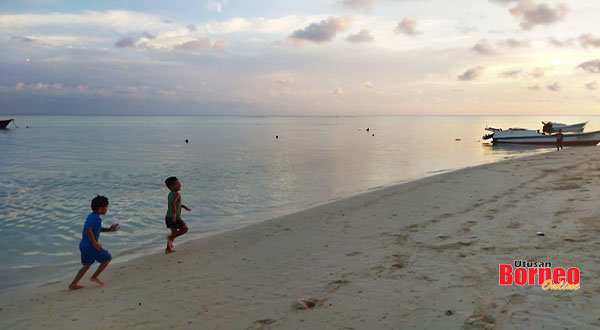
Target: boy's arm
[(113, 227), (175, 200), (90, 234), (185, 207)]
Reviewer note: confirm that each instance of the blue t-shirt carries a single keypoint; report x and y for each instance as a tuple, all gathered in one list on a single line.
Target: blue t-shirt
[(94, 221)]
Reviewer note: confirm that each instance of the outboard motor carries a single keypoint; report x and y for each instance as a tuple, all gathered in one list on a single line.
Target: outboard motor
[(547, 127)]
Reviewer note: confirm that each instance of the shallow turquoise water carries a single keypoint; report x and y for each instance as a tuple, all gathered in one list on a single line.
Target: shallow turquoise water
[(233, 171)]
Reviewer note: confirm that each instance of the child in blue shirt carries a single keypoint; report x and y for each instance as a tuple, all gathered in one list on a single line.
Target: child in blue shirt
[(90, 249)]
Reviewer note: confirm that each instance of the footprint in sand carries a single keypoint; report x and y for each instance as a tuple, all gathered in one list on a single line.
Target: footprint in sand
[(333, 286), (308, 303)]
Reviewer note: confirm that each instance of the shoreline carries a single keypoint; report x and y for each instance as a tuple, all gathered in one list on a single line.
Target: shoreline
[(64, 275), (423, 253)]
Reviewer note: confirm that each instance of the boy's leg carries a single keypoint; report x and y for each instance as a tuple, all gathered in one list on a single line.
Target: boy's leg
[(174, 234), (170, 239), (178, 232), (98, 271), (80, 273)]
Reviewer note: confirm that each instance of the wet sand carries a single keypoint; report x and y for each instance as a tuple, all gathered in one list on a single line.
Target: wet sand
[(423, 255)]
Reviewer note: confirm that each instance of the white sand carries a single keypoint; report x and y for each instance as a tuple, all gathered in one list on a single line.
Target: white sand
[(395, 258)]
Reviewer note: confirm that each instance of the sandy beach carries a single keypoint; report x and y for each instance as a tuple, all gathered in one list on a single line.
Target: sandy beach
[(421, 255)]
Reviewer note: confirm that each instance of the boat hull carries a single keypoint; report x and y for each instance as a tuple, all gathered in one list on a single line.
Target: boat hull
[(577, 139), (4, 123)]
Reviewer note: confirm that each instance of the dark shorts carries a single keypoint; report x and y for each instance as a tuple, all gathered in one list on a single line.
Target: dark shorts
[(88, 256), (179, 224)]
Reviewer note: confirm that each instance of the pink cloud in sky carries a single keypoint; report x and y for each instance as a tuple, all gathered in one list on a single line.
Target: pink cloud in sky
[(532, 14), (471, 74)]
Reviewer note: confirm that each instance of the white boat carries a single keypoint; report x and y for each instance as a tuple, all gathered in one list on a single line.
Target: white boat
[(550, 127), (534, 137)]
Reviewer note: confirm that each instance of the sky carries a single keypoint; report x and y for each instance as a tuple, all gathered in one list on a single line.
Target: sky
[(325, 57)]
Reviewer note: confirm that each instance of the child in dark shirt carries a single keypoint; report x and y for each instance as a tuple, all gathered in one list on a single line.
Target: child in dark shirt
[(173, 219)]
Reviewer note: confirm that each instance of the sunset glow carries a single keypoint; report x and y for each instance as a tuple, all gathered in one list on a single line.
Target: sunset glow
[(345, 57)]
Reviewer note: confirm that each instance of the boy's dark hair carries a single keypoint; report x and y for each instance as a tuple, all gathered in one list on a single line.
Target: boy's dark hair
[(98, 202), (170, 180)]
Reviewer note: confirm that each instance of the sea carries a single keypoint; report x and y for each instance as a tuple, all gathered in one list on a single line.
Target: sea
[(234, 171)]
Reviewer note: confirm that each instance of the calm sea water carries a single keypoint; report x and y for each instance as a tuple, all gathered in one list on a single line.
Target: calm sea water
[(233, 170)]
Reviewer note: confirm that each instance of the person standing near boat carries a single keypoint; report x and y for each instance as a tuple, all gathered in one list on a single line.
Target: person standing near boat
[(559, 139)]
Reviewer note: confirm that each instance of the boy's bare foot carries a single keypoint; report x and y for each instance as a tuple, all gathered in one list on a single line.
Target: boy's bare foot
[(75, 287), (169, 250), (97, 280), (169, 242)]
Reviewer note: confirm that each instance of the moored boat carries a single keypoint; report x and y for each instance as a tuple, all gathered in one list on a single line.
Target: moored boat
[(534, 137), (4, 123)]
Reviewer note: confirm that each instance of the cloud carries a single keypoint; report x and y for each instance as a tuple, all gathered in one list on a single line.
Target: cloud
[(513, 43), (356, 4), (512, 74), (126, 42), (538, 72), (323, 31), (191, 27), (200, 44), (471, 74), (407, 26), (560, 44), (484, 48), (586, 40), (131, 41), (216, 6), (534, 87), (49, 40), (368, 84), (219, 46), (363, 36), (466, 29), (589, 40), (127, 90), (166, 93), (23, 39), (148, 35), (338, 91), (532, 14), (119, 20), (285, 81), (55, 89), (555, 87), (592, 85), (590, 66)]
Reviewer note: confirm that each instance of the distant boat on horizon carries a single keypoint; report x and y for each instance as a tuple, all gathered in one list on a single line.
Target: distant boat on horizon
[(4, 123)]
